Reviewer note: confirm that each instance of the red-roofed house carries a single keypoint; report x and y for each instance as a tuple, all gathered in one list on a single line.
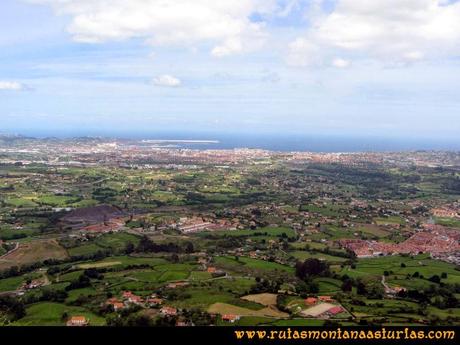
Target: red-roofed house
[(230, 318), (132, 298), (335, 310), (212, 270), (170, 311), (117, 305), (326, 299), (153, 302), (77, 321), (311, 300), (127, 294)]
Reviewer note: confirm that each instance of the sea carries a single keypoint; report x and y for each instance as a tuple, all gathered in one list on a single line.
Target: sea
[(284, 142)]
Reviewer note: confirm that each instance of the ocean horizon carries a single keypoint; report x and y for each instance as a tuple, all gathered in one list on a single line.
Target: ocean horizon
[(284, 142)]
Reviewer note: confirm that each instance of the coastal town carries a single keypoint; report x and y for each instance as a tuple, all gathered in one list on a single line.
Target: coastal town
[(124, 233)]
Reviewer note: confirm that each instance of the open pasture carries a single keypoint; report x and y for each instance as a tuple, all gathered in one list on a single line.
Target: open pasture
[(33, 251)]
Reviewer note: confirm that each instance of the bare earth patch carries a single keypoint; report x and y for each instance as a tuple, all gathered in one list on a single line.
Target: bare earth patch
[(34, 251), (224, 308), (99, 265), (266, 299), (317, 309)]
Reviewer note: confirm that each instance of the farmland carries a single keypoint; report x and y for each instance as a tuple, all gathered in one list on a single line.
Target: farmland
[(129, 233)]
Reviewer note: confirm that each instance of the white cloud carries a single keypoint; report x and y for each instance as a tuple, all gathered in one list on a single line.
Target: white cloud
[(167, 80), (303, 53), (385, 30), (224, 24), (11, 85), (340, 63)]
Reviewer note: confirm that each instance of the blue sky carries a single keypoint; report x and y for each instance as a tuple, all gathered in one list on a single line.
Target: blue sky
[(349, 67)]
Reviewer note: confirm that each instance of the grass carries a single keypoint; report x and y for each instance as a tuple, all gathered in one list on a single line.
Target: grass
[(11, 284), (303, 255), (116, 241), (392, 220), (56, 200), (123, 262), (21, 202), (451, 222), (34, 251), (421, 264), (373, 230), (50, 314), (269, 231), (7, 233), (328, 285), (256, 264), (199, 275), (68, 277), (173, 275), (73, 295), (86, 249)]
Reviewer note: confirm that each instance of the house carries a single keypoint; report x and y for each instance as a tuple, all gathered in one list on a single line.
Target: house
[(177, 284), (127, 294), (132, 298), (168, 311), (211, 270), (153, 302), (202, 261), (77, 321), (230, 318), (117, 304), (335, 310), (135, 299), (182, 323), (33, 285), (326, 299), (311, 300)]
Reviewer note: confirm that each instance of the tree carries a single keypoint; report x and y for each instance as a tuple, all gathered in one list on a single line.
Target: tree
[(361, 289), (189, 248), (12, 307), (310, 268), (347, 286), (129, 248), (435, 279), (174, 258)]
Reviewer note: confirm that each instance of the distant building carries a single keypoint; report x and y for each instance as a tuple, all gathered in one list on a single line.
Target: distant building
[(78, 321), (168, 311), (311, 300), (154, 302), (335, 310), (230, 318)]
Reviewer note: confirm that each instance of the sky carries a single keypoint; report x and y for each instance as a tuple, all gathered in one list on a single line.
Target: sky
[(387, 68)]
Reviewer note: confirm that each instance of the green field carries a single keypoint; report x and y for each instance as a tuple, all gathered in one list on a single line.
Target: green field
[(262, 232), (11, 284), (303, 255), (451, 222), (227, 261), (421, 264), (50, 314)]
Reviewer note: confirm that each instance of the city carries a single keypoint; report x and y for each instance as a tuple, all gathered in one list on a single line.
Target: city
[(124, 232)]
